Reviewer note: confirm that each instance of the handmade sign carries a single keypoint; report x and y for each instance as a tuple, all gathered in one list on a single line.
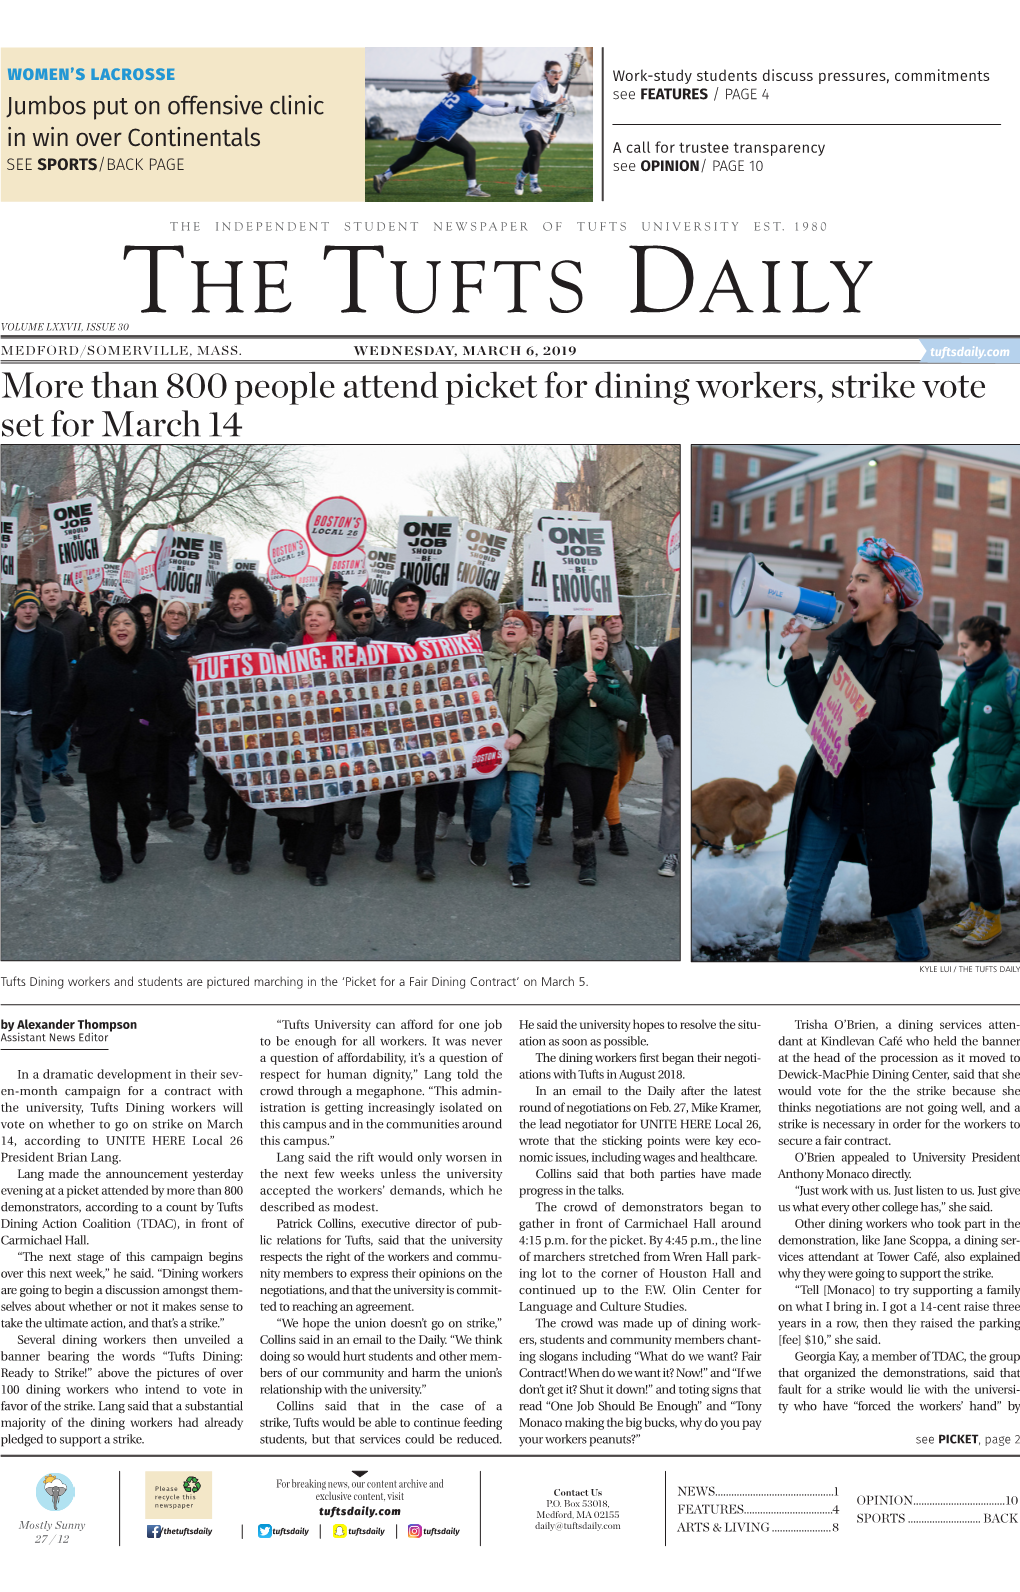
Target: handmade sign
[(844, 703), (326, 723), (425, 554)]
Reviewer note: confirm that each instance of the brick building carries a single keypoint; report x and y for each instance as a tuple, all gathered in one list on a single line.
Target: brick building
[(950, 509), (35, 475)]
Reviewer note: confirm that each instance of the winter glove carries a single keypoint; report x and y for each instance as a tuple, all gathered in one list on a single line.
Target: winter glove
[(665, 745), (870, 744)]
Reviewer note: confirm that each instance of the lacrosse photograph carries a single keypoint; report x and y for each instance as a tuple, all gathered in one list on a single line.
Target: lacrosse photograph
[(478, 122)]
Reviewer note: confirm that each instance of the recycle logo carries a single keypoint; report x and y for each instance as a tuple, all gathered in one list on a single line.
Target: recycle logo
[(192, 1484)]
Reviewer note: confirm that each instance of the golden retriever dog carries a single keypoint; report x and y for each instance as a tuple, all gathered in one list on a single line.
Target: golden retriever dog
[(735, 807)]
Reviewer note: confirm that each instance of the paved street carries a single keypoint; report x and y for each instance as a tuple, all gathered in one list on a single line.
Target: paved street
[(176, 906)]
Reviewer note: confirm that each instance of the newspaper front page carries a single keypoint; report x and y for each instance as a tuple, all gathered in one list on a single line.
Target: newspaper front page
[(502, 1200)]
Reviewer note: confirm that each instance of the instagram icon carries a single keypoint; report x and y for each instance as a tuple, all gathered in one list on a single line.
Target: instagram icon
[(414, 1531)]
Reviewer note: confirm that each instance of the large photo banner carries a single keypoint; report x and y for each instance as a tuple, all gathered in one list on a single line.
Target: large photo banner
[(326, 723)]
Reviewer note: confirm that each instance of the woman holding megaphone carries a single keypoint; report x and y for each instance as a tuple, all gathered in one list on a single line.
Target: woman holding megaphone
[(878, 810)]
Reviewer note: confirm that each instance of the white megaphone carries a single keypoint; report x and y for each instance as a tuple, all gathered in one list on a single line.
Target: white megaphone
[(754, 587)]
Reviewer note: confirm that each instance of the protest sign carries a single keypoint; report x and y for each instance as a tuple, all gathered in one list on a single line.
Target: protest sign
[(380, 563), (88, 578), (673, 543), (111, 578), (146, 566), (340, 720), (130, 579), (351, 566), (182, 562), (289, 554), (8, 550), (536, 578), (216, 559), (581, 566), (77, 541), (424, 554), (336, 526), (249, 566), (481, 558), (844, 703)]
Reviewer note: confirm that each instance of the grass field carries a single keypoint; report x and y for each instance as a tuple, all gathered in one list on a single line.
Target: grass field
[(565, 175)]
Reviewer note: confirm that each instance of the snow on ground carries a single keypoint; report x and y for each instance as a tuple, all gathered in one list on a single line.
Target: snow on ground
[(745, 728), (406, 109)]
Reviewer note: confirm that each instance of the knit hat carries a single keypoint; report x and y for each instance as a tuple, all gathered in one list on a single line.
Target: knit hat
[(355, 597), (517, 613), (900, 572), (22, 598)]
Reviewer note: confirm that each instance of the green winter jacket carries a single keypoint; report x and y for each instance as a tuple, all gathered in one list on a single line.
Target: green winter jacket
[(986, 767), (525, 688), (588, 737)]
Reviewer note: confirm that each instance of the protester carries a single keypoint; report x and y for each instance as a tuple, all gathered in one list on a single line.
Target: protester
[(662, 695), (357, 623), (291, 600), (470, 608), (632, 662), (550, 797), (148, 606), (306, 830), (525, 689), (241, 617), (79, 634), (169, 793), (34, 671), (878, 811), (589, 749), (406, 622), (124, 696), (984, 713)]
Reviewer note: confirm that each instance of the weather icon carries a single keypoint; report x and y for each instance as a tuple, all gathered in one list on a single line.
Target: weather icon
[(55, 1491)]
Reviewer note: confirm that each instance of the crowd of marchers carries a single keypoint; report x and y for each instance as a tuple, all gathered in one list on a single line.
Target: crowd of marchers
[(110, 681)]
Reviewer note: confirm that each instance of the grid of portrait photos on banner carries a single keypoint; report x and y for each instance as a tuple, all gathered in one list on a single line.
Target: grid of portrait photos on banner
[(367, 720)]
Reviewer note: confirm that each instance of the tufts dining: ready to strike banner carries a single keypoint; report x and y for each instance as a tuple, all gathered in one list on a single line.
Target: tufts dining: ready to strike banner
[(341, 720)]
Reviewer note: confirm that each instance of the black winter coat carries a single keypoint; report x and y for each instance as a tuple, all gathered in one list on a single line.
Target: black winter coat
[(123, 702), (394, 629), (212, 636), (177, 650), (47, 672), (893, 749), (662, 691)]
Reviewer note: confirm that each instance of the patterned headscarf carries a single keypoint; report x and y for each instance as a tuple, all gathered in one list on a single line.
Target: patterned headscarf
[(900, 572)]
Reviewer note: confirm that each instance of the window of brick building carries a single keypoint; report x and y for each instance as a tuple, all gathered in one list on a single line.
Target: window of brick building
[(998, 494), (942, 616), (997, 558), (770, 508), (745, 519), (869, 483), (703, 606), (943, 552), (830, 492), (797, 502), (799, 542), (828, 544), (718, 466), (753, 469), (947, 484), (715, 516), (996, 611)]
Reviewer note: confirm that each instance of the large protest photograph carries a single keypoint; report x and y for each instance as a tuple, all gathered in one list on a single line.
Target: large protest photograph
[(440, 683), (855, 729)]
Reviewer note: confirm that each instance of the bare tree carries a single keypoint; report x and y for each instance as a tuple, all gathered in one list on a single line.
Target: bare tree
[(144, 489), (451, 61), (503, 495)]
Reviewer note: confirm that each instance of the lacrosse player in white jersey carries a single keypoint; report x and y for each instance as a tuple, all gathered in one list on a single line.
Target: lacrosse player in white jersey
[(540, 122)]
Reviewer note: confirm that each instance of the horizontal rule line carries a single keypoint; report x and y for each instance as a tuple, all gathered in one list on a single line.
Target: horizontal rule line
[(736, 126), (401, 364), (516, 337)]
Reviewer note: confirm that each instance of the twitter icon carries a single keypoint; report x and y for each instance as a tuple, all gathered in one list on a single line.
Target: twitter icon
[(265, 1531)]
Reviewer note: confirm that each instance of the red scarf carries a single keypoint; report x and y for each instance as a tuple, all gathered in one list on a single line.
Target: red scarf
[(306, 640)]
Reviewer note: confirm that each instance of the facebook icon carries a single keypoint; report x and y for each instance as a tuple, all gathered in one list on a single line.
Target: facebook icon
[(154, 1531)]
